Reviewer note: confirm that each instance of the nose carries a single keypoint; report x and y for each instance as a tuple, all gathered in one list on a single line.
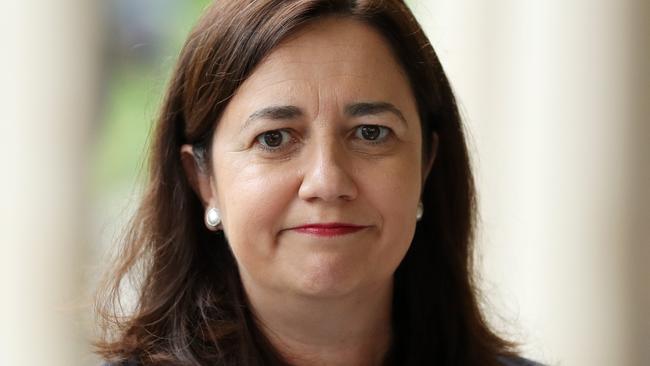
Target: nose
[(327, 175)]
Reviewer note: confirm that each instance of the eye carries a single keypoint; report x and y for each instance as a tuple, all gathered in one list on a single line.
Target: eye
[(273, 140), (372, 133)]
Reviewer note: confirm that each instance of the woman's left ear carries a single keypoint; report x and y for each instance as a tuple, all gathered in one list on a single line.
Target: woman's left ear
[(426, 168)]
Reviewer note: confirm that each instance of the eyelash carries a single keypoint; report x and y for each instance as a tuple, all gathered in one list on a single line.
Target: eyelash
[(283, 146), (383, 130), (386, 131)]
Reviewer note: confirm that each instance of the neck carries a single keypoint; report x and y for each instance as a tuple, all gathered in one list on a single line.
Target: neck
[(348, 330)]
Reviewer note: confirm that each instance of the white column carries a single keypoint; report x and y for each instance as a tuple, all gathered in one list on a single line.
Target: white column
[(48, 89), (551, 92)]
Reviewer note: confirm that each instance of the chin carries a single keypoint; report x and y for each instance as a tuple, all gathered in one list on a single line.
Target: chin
[(327, 277)]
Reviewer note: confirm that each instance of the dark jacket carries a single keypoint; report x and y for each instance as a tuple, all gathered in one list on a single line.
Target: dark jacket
[(518, 362)]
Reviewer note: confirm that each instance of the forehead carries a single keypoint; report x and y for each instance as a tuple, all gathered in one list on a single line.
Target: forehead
[(332, 41), (335, 53)]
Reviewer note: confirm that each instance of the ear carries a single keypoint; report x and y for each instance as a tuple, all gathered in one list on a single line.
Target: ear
[(426, 167), (200, 180)]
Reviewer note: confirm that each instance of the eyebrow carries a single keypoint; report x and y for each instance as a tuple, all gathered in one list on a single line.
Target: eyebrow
[(372, 108), (283, 112), (288, 112)]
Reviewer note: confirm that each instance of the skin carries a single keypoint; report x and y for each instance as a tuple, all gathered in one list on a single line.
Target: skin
[(320, 300)]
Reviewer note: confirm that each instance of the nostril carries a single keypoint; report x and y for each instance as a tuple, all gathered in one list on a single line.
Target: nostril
[(328, 182)]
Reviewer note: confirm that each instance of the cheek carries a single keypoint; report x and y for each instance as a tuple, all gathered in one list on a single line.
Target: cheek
[(394, 186), (253, 202), (394, 192)]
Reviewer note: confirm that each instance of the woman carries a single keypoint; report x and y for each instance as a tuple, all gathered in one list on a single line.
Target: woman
[(310, 200)]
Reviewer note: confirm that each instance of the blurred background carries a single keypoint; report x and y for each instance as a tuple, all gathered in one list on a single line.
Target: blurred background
[(555, 96)]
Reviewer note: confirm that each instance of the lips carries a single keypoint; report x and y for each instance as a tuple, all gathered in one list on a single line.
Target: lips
[(329, 229)]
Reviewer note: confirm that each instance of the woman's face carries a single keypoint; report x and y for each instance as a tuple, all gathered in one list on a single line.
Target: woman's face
[(317, 164)]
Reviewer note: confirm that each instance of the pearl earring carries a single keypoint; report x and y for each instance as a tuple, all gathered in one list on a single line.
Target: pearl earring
[(212, 218), (420, 211)]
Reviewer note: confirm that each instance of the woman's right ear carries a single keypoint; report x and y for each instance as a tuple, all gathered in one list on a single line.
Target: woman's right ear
[(197, 176)]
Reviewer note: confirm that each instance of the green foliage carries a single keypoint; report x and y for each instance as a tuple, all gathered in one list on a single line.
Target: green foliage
[(133, 95)]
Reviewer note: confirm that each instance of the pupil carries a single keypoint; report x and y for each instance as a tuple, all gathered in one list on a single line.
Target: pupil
[(370, 132), (273, 138)]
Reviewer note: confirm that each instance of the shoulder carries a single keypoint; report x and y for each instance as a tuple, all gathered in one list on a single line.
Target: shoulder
[(517, 361)]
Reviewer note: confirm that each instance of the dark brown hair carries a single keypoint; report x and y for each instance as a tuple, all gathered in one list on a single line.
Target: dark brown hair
[(190, 308)]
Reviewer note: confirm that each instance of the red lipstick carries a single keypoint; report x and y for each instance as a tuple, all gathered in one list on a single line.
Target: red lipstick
[(331, 229)]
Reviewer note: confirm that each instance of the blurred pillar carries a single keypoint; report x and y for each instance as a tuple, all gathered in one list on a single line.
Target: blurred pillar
[(48, 90), (640, 184), (555, 97)]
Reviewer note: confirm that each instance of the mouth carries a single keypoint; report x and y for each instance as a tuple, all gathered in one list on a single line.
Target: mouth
[(329, 229)]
